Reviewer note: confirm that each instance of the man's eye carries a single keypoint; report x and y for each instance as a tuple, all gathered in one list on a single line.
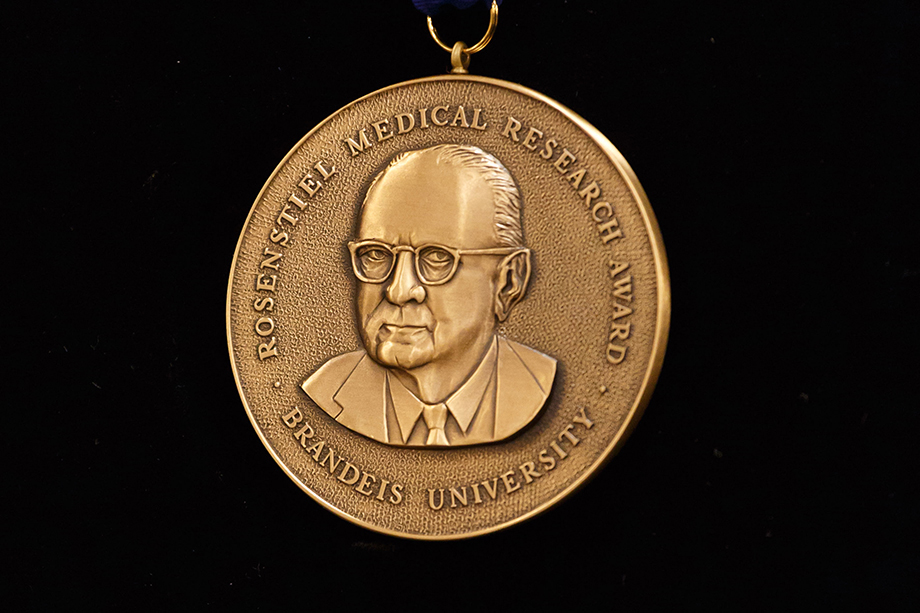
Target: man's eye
[(435, 264), (374, 255), (436, 257)]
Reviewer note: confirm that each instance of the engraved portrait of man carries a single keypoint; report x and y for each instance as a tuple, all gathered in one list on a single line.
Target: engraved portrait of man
[(439, 260)]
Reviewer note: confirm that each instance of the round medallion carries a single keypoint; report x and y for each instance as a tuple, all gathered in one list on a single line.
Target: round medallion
[(448, 307)]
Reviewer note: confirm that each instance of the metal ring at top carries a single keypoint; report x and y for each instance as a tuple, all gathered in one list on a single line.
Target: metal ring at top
[(493, 23)]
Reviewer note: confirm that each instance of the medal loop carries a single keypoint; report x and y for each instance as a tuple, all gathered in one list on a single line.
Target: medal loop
[(460, 58), (490, 32)]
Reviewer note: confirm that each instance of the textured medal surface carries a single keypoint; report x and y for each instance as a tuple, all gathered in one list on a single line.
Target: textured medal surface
[(448, 307)]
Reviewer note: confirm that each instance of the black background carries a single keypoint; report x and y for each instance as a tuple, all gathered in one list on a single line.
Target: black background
[(776, 467)]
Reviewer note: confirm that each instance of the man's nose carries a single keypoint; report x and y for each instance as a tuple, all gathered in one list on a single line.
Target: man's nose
[(405, 285)]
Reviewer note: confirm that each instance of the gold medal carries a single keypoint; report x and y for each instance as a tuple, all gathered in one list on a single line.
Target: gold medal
[(448, 306)]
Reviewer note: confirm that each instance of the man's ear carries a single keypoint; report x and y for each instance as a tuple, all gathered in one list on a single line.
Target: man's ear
[(513, 275)]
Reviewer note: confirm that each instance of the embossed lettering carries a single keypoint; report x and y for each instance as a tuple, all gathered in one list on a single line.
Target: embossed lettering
[(476, 497), (322, 170), (532, 136), (619, 331), (280, 238), (456, 495), (403, 127), (617, 267), (529, 472), (338, 467), (549, 149), (512, 128), (266, 284), (491, 489), (582, 418), (285, 216), (510, 484), (310, 185), (562, 455), (615, 353), (265, 326), (293, 418), (300, 204), (622, 288), (268, 350), (333, 461), (343, 476), (270, 262), (547, 460), (607, 230), (620, 310), (316, 449), (264, 304), (366, 481), (601, 206), (440, 498), (476, 125), (567, 433), (434, 116), (563, 162), (303, 434), (381, 127), (576, 177), (590, 193), (359, 146), (460, 118)]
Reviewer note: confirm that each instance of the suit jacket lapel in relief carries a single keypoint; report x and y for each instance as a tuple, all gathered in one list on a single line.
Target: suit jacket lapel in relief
[(363, 400), (519, 396), (351, 388)]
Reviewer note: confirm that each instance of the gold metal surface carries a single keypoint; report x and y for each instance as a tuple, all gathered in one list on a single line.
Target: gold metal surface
[(448, 307), (459, 58), (487, 37)]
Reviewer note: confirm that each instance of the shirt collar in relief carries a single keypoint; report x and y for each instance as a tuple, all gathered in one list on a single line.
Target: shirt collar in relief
[(462, 404)]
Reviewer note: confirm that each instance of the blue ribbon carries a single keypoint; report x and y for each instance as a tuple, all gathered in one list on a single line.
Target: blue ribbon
[(431, 7)]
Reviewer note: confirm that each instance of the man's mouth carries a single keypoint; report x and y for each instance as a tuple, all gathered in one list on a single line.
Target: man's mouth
[(404, 333)]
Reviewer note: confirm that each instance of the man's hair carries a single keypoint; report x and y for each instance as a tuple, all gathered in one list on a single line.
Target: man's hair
[(505, 194)]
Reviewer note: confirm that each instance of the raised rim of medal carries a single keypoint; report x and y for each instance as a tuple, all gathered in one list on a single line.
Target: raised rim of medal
[(659, 342)]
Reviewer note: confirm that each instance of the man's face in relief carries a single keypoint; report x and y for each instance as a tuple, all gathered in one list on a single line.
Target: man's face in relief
[(406, 321)]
